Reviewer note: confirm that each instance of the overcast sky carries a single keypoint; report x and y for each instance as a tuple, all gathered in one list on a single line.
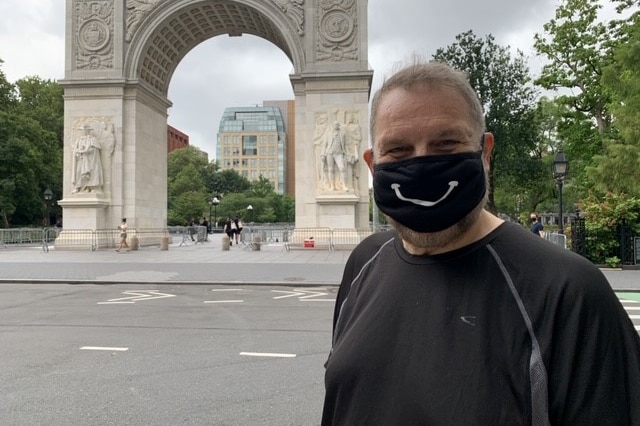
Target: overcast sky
[(32, 43)]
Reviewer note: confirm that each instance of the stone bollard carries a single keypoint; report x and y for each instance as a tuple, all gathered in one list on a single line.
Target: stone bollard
[(164, 243), (133, 243), (256, 243), (226, 243)]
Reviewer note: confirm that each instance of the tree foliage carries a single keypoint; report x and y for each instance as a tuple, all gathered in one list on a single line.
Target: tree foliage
[(578, 47), (192, 184), (603, 216), (30, 148)]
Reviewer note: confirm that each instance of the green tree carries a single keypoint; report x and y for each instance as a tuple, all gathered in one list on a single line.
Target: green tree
[(502, 83), (25, 170), (262, 187), (43, 101), (7, 92), (30, 148), (578, 47), (230, 181)]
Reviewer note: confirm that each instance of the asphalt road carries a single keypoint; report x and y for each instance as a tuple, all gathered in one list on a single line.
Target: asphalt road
[(175, 354), (116, 354)]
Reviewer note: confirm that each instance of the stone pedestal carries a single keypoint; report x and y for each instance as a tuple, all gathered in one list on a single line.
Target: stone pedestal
[(87, 212)]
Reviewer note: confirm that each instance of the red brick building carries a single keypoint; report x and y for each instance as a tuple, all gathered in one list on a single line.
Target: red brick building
[(176, 139)]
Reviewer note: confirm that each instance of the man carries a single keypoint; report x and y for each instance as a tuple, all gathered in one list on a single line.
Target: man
[(450, 319), (536, 226)]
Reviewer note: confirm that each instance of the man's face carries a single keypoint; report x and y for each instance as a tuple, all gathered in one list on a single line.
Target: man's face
[(426, 121)]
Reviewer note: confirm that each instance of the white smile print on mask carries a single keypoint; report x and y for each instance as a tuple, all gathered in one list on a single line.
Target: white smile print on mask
[(396, 188)]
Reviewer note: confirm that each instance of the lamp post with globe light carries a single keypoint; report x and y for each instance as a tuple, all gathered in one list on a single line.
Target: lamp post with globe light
[(213, 202), (560, 168), (48, 195), (250, 210)]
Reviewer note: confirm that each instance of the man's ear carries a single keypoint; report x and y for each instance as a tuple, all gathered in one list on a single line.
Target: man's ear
[(368, 158), (487, 149)]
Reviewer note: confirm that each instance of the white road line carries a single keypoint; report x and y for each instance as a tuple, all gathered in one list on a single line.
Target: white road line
[(115, 303), (302, 299), (103, 348), (632, 308), (227, 289), (638, 327), (223, 301), (634, 316), (266, 354)]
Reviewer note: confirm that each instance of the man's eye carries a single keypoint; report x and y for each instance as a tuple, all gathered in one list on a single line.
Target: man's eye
[(398, 150), (447, 145)]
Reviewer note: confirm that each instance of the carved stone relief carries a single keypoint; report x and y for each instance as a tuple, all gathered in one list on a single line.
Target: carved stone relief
[(295, 11), (337, 24), (137, 10), (92, 147), (337, 137), (94, 35)]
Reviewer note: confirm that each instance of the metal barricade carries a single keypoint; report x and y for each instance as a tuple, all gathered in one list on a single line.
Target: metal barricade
[(309, 238), (556, 238)]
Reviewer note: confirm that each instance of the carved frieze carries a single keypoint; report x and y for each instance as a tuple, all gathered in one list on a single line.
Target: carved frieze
[(337, 23), (94, 34), (137, 10), (294, 9)]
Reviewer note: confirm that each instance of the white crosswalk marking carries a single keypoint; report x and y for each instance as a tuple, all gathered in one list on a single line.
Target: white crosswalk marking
[(632, 307)]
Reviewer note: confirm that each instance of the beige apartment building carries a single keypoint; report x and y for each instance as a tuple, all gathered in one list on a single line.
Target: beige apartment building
[(258, 141)]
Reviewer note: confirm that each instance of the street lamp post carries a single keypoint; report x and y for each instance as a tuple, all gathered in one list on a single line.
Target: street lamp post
[(250, 210), (560, 167), (214, 202), (48, 195)]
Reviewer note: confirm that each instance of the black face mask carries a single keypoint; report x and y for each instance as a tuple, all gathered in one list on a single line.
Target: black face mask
[(430, 193)]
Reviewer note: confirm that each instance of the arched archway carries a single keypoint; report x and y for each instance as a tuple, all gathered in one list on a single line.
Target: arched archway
[(120, 57)]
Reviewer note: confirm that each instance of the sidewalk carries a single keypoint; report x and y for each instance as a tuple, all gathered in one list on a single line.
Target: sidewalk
[(194, 263), (198, 263)]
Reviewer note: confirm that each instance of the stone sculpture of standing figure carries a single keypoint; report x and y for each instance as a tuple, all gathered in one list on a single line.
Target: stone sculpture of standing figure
[(87, 162), (332, 158)]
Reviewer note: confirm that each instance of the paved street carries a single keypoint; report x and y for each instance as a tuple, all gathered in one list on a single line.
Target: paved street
[(631, 303), (166, 355)]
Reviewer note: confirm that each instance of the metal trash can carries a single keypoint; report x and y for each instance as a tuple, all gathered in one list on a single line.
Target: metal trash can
[(226, 243), (164, 243)]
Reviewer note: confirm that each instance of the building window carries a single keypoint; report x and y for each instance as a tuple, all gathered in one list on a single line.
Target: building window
[(250, 145)]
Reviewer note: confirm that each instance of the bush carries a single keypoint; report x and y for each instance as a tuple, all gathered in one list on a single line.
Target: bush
[(603, 217)]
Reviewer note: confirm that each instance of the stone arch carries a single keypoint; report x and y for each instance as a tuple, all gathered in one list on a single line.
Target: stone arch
[(155, 43), (120, 57)]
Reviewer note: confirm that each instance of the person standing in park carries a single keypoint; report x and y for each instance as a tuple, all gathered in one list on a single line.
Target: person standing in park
[(123, 234), (536, 226), (237, 222), (449, 319), (230, 229)]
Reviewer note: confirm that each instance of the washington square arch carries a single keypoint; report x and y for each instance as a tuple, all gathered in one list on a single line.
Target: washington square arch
[(120, 56)]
